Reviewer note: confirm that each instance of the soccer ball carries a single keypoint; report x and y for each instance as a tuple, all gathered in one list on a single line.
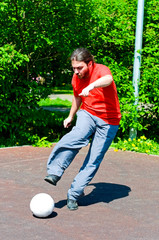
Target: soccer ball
[(42, 205)]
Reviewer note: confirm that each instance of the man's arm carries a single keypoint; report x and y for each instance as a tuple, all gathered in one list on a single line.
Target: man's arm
[(76, 102), (101, 82)]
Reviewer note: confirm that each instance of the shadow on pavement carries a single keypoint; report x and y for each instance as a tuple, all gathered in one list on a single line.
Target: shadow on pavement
[(52, 215), (61, 204), (102, 192)]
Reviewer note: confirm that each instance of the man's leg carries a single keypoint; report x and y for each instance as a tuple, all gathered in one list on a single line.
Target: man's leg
[(67, 148), (102, 139)]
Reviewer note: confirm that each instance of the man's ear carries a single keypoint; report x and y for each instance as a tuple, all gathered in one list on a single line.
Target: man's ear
[(90, 64)]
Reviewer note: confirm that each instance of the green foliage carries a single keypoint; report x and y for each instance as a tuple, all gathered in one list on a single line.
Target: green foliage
[(36, 39), (40, 128), (149, 83), (114, 39), (40, 142), (142, 145), (47, 31), (19, 96)]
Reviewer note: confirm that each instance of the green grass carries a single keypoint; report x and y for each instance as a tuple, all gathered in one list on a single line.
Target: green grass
[(54, 103), (62, 91)]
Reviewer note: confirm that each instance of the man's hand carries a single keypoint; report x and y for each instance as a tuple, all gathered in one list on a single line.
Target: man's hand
[(67, 122), (85, 91)]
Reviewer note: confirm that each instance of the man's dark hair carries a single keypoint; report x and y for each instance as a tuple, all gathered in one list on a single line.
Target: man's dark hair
[(82, 55)]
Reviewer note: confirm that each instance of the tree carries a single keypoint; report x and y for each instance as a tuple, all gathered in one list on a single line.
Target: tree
[(37, 37)]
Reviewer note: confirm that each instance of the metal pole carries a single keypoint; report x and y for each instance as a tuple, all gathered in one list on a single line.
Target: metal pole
[(137, 59)]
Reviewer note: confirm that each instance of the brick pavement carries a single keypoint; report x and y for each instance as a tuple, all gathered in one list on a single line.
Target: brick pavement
[(121, 203)]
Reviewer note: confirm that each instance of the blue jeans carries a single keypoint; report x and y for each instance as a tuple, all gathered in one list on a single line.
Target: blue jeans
[(87, 126)]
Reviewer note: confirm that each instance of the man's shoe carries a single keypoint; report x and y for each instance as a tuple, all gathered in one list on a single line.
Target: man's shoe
[(72, 204), (52, 179)]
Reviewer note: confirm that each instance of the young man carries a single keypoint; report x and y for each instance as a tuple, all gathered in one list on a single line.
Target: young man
[(98, 118)]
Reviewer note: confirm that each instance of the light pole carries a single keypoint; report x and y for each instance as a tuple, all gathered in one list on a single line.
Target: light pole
[(137, 59)]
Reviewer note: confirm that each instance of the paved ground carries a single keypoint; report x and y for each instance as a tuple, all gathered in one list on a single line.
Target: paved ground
[(121, 203), (61, 96)]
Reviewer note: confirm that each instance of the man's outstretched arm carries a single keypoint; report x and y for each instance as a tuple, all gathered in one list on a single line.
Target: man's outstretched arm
[(76, 102)]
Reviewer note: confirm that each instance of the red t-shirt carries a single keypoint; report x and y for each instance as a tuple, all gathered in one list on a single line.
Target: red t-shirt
[(101, 102)]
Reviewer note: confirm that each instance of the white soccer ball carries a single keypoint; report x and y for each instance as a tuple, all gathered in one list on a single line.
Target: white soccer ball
[(42, 205)]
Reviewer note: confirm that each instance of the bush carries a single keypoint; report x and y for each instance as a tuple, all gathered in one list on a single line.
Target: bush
[(19, 96), (41, 124), (142, 145), (113, 41), (37, 37)]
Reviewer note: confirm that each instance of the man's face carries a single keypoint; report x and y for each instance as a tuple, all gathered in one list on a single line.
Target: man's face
[(81, 69)]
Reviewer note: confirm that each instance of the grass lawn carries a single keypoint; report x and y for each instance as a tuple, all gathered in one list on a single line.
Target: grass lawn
[(54, 103)]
